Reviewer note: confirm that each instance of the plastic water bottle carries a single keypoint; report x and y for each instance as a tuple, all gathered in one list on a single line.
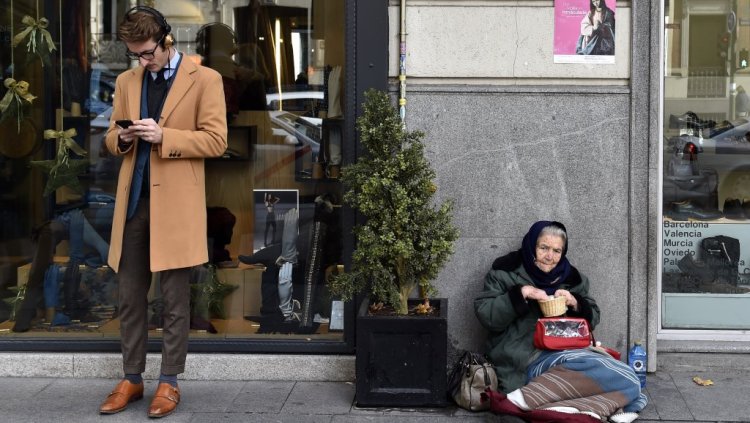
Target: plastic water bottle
[(637, 359)]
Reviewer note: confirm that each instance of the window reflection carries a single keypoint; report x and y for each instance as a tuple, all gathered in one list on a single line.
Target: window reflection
[(706, 144), (282, 70)]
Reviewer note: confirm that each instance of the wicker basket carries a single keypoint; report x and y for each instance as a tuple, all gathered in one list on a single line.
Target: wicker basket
[(553, 307)]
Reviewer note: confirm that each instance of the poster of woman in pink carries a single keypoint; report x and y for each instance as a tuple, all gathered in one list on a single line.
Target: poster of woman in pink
[(584, 31)]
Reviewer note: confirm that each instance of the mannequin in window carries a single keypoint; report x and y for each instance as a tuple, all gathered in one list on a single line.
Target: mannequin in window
[(244, 83), (255, 76), (76, 228), (215, 42), (270, 203)]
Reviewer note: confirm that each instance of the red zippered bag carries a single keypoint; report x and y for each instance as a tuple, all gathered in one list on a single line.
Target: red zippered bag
[(562, 333)]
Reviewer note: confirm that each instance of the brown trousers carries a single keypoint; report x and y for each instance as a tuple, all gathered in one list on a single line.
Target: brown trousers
[(134, 280)]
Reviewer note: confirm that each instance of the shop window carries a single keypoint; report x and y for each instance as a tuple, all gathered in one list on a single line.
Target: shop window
[(282, 65), (705, 283)]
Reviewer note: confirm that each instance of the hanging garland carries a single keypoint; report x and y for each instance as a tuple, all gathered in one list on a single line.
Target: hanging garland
[(18, 97), (63, 171), (15, 100), (39, 38), (15, 302)]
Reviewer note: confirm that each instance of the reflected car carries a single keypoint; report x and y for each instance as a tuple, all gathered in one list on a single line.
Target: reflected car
[(104, 166), (300, 102), (305, 130), (101, 91), (722, 149)]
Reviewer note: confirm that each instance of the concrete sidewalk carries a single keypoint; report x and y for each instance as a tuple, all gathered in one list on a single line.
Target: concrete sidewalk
[(673, 397)]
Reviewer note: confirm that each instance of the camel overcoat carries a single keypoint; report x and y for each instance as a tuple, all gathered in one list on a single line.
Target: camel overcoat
[(194, 126)]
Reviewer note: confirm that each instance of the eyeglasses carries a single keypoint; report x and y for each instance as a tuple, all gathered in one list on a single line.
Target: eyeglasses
[(148, 55)]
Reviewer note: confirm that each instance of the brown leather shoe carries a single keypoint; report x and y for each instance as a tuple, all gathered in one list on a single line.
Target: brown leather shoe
[(165, 400), (124, 393)]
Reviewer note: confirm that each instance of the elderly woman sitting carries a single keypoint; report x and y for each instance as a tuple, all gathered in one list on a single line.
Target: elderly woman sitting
[(586, 384)]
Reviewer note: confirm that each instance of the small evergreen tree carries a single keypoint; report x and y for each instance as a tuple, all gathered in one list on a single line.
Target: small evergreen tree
[(405, 240)]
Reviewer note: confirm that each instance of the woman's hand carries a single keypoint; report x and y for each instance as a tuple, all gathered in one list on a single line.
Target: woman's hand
[(531, 293), (570, 300)]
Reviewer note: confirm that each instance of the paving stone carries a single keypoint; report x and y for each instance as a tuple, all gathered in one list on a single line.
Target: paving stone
[(258, 418), (320, 398), (725, 400), (666, 401), (207, 396), (261, 397), (674, 397)]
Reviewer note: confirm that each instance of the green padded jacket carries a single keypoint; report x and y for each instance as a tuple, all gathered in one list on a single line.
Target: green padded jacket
[(511, 320)]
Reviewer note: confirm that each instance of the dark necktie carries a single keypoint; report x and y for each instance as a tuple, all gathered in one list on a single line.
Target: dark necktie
[(160, 76)]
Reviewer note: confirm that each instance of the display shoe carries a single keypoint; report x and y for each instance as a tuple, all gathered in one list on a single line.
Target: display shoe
[(165, 400), (199, 323), (123, 394), (746, 207), (733, 209), (699, 269), (687, 210), (294, 316), (23, 319)]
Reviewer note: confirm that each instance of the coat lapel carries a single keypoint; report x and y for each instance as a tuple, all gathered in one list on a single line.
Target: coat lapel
[(134, 93), (182, 83)]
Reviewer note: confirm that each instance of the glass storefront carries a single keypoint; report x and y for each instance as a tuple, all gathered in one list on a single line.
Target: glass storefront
[(705, 234), (283, 69)]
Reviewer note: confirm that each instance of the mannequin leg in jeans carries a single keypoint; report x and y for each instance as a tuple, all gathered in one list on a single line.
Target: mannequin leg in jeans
[(286, 261), (285, 291), (70, 225), (48, 236)]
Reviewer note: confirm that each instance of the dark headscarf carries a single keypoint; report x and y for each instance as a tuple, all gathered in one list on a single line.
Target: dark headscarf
[(546, 281)]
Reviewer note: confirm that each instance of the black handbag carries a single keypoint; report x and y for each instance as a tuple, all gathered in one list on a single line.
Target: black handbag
[(721, 254), (470, 377)]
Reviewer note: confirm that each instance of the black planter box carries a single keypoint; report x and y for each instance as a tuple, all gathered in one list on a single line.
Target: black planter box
[(401, 360)]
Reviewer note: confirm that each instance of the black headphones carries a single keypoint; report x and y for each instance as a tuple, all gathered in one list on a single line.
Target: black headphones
[(167, 39), (205, 32)]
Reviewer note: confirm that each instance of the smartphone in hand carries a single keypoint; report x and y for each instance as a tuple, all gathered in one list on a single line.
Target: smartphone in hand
[(124, 123)]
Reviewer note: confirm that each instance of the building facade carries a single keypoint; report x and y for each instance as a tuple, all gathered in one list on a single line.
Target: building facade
[(641, 156)]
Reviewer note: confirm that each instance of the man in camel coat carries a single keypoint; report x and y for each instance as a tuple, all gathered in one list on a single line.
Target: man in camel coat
[(178, 118)]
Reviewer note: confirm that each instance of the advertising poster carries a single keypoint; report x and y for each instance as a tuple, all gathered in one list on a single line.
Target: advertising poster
[(584, 31), (270, 207)]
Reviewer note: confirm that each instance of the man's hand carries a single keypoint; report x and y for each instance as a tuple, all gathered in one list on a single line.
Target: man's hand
[(145, 129)]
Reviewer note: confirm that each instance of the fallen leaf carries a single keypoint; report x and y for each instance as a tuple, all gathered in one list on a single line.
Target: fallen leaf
[(703, 382)]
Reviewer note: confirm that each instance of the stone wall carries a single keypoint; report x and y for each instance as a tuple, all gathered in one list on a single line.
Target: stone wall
[(515, 138)]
